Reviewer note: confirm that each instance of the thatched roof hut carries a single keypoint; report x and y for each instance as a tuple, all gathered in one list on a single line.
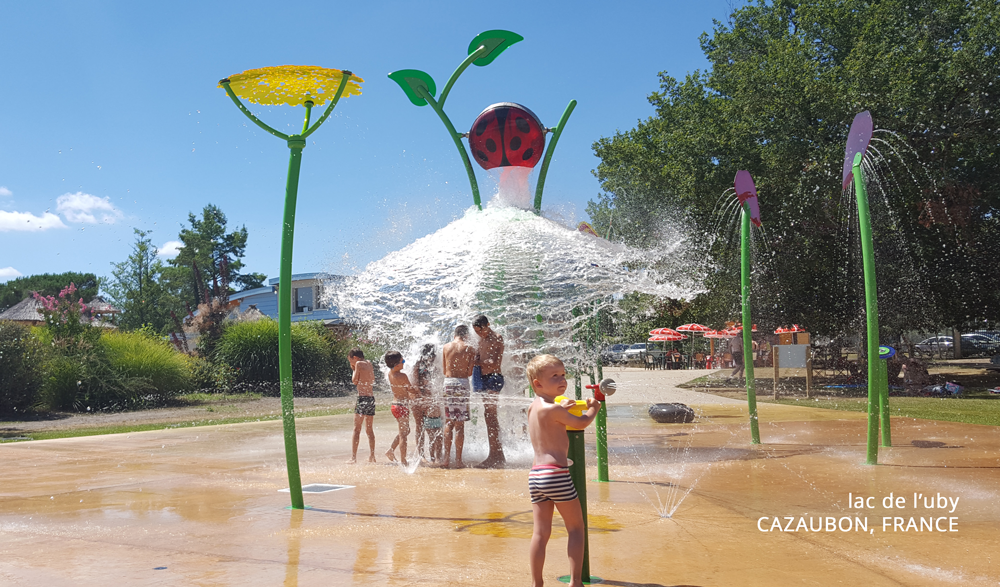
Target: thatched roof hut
[(27, 312), (24, 312)]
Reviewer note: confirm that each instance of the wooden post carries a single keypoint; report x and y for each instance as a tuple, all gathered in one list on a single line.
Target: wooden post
[(809, 371), (775, 354)]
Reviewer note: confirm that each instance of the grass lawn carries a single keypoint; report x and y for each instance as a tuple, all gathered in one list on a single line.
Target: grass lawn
[(225, 408), (976, 408)]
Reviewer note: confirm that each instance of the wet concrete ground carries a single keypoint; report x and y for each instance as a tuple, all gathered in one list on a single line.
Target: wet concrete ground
[(202, 506)]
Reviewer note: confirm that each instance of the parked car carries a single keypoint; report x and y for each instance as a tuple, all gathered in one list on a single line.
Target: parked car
[(975, 343), (935, 345), (614, 354), (635, 352)]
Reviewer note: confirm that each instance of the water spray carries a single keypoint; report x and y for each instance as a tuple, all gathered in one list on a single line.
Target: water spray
[(290, 85)]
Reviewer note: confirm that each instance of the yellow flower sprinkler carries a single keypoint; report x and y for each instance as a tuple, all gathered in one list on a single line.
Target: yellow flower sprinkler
[(292, 85)]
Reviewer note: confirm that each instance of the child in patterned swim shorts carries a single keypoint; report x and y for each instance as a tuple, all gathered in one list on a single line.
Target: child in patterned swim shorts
[(549, 482)]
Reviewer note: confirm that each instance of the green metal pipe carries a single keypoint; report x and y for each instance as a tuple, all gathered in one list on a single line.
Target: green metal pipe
[(458, 71), (748, 327), (457, 138), (329, 109), (243, 109), (579, 382), (578, 473), (602, 443), (883, 384), (285, 323), (871, 310), (548, 154)]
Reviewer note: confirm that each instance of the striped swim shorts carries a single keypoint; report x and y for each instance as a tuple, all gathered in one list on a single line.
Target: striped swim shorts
[(550, 483)]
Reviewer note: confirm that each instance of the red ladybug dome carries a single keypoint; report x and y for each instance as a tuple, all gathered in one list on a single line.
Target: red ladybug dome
[(507, 134)]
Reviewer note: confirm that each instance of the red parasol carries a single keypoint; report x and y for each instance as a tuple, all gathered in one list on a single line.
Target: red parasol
[(697, 328), (667, 337), (716, 334), (693, 328), (663, 331)]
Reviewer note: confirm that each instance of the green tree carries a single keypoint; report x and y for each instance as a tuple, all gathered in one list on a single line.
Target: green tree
[(47, 284), (207, 249), (785, 80), (135, 288)]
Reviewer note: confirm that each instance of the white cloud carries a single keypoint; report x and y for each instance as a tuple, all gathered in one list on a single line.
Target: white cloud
[(7, 273), (169, 249), (81, 207), (26, 221), (5, 192)]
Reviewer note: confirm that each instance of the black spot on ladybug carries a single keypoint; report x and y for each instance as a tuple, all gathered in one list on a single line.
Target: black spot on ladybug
[(527, 154), (515, 143), (491, 145), (482, 156), (481, 127), (522, 125)]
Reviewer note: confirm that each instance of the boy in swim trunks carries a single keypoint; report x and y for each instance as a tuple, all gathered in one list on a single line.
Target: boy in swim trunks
[(402, 392), (486, 377), (459, 357), (549, 482), (364, 410)]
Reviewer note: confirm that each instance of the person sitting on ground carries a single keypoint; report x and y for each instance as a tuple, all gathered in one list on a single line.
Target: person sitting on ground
[(490, 380), (549, 482), (423, 406), (458, 358), (364, 409), (402, 392)]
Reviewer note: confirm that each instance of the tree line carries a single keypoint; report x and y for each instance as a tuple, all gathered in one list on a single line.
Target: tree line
[(784, 81), (150, 292)]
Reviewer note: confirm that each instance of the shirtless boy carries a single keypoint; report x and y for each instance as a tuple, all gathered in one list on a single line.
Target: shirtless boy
[(549, 482), (364, 410), (488, 379), (402, 394), (459, 358)]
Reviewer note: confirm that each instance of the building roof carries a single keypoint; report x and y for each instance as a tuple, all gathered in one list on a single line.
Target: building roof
[(27, 310), (99, 305), (24, 311)]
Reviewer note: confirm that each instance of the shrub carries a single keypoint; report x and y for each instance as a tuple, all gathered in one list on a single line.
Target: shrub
[(141, 355), (211, 376), (20, 367), (251, 348), (61, 384)]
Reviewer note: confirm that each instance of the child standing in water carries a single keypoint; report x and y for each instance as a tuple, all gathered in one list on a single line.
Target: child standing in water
[(427, 411), (402, 393), (549, 482), (364, 410)]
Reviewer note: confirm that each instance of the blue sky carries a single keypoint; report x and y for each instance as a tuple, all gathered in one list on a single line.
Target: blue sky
[(110, 118)]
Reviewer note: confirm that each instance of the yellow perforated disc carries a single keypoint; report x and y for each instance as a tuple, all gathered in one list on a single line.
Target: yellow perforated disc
[(293, 85)]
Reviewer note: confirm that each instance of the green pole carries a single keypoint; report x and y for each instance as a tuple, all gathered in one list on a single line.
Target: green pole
[(871, 310), (457, 138), (285, 323), (883, 381), (602, 443), (540, 185), (748, 327), (578, 472)]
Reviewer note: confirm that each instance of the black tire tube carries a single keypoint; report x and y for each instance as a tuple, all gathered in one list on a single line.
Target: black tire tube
[(672, 413)]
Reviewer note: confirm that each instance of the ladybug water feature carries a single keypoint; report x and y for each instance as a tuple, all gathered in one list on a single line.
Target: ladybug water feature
[(507, 135)]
